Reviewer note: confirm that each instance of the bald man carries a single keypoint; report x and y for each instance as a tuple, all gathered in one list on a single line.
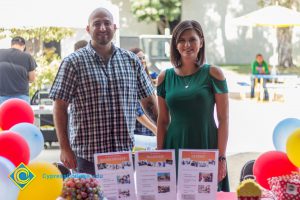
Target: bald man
[(101, 84)]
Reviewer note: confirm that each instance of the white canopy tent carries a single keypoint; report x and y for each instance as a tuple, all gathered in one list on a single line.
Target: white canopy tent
[(271, 16), (54, 13)]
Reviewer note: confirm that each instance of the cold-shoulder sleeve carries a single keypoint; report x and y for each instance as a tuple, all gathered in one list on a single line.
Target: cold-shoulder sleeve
[(161, 90), (219, 86)]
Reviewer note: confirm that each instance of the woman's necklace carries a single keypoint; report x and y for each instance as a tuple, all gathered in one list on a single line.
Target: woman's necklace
[(190, 76), (186, 83)]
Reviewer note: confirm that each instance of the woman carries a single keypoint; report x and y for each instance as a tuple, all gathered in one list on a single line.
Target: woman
[(143, 126), (187, 95)]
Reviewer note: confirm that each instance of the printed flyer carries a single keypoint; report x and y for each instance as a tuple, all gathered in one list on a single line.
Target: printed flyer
[(197, 174), (155, 175), (115, 173)]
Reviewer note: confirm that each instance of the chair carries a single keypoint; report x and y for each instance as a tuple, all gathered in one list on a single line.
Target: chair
[(247, 171)]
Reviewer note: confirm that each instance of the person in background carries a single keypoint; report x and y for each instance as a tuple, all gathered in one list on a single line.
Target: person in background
[(17, 70), (80, 44), (259, 66), (143, 126), (188, 94), (102, 84)]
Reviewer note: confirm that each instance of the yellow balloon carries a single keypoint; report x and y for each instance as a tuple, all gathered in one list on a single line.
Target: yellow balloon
[(293, 147), (47, 184)]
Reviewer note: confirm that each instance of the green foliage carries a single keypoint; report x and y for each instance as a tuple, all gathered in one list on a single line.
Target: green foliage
[(48, 62), (45, 34), (46, 59), (2, 35), (284, 3), (48, 65), (36, 36), (150, 10)]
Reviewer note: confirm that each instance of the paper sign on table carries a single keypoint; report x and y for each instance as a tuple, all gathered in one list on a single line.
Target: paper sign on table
[(115, 172), (197, 174), (155, 175)]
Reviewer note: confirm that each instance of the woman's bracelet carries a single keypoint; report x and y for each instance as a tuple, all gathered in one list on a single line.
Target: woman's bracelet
[(222, 158)]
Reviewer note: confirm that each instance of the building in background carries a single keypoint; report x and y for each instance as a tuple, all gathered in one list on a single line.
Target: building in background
[(226, 43)]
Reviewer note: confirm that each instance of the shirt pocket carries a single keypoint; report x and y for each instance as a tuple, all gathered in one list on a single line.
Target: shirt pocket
[(92, 86), (127, 86)]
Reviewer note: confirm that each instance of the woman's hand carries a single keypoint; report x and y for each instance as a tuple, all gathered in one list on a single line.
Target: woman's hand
[(222, 168)]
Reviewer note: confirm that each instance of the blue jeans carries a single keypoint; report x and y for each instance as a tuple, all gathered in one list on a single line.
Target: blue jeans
[(20, 96), (266, 93)]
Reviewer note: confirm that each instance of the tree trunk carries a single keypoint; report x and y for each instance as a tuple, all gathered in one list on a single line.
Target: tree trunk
[(284, 48), (173, 24), (162, 24), (33, 46)]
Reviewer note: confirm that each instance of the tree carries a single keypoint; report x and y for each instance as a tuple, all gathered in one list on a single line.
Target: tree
[(166, 13), (47, 60), (37, 36), (284, 35), (2, 35), (46, 71)]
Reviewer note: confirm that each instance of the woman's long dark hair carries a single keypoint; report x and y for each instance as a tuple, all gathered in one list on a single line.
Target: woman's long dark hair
[(177, 32)]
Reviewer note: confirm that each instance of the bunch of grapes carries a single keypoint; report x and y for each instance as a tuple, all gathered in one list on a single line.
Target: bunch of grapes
[(81, 188)]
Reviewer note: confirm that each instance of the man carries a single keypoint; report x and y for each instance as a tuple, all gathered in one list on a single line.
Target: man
[(16, 71), (259, 66), (102, 84)]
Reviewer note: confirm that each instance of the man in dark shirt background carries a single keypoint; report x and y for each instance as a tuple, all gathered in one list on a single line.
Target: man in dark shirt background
[(17, 70)]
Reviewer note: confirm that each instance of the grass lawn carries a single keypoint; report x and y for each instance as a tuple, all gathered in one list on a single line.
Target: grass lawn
[(246, 69)]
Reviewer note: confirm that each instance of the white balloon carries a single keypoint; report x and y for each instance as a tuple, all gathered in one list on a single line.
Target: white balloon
[(8, 189), (33, 137)]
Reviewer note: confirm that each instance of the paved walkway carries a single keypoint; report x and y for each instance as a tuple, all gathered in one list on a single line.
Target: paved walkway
[(252, 122)]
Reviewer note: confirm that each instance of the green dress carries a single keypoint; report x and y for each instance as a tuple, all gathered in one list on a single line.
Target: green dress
[(190, 100)]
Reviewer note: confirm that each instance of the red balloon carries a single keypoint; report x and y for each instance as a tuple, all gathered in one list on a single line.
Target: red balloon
[(14, 148), (272, 164), (14, 111)]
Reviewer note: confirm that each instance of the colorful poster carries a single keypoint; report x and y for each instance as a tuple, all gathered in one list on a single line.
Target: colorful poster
[(197, 174), (155, 175), (115, 173)]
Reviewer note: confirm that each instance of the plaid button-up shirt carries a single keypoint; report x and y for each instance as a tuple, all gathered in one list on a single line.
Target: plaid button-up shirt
[(103, 99)]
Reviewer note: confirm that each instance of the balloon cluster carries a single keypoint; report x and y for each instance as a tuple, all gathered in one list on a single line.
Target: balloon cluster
[(286, 138), (21, 142), (286, 159), (81, 188)]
